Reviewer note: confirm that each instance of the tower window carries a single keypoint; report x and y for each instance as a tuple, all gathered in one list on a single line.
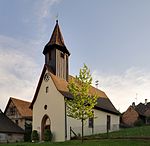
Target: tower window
[(62, 55), (49, 55), (47, 89)]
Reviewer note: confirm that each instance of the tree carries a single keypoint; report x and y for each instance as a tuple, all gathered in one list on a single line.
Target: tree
[(81, 106)]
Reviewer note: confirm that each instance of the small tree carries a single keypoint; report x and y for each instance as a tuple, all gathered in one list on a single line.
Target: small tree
[(47, 135), (35, 136), (82, 104)]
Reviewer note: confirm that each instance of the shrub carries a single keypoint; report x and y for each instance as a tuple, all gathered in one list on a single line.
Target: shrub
[(139, 123), (28, 132), (48, 135), (35, 136)]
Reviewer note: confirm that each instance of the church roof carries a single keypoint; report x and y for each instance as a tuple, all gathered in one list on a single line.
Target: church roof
[(56, 40), (21, 105), (8, 126), (103, 102)]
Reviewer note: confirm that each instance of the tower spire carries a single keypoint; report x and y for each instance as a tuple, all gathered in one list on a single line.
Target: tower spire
[(56, 54), (56, 40)]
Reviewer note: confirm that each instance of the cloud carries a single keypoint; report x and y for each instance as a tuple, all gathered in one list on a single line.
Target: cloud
[(123, 89), (43, 14), (19, 71), (45, 7)]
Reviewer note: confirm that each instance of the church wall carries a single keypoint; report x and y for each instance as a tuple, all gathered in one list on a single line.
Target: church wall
[(55, 110), (100, 124)]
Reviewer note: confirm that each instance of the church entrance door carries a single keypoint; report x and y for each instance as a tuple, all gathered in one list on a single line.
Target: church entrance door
[(45, 124)]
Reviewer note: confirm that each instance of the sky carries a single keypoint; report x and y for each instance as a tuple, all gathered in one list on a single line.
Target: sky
[(112, 37)]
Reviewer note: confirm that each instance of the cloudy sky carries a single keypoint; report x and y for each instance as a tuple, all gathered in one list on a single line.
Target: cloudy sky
[(112, 37)]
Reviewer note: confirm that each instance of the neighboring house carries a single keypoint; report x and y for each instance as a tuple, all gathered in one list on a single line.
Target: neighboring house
[(9, 131), (48, 105), (135, 113), (19, 112)]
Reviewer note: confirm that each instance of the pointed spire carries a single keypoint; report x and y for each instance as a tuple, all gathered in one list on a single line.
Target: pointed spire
[(57, 39)]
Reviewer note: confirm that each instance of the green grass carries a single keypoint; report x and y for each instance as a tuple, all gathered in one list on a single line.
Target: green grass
[(130, 132), (88, 143), (143, 131)]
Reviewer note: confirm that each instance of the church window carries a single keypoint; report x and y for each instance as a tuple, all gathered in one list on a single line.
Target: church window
[(45, 107), (49, 55), (47, 89), (91, 122)]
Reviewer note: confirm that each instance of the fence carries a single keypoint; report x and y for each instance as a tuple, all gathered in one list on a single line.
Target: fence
[(76, 131)]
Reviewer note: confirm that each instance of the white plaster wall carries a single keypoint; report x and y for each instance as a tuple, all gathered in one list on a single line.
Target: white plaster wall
[(55, 110), (100, 123)]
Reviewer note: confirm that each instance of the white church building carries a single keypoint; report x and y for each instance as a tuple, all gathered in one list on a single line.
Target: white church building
[(48, 104)]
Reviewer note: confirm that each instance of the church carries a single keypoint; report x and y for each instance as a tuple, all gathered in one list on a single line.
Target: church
[(48, 104)]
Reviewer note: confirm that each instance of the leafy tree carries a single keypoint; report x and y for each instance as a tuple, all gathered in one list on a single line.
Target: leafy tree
[(82, 104)]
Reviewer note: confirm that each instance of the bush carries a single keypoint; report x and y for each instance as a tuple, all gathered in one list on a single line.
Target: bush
[(48, 135), (35, 136), (139, 123)]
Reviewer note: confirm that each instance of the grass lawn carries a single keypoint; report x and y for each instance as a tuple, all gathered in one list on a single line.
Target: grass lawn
[(88, 143), (138, 131), (143, 131)]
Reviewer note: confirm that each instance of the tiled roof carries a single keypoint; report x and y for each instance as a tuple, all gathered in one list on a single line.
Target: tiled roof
[(7, 126), (103, 102), (56, 40), (22, 106), (142, 108)]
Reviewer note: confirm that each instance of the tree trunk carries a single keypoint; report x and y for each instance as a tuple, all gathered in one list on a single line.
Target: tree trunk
[(82, 129)]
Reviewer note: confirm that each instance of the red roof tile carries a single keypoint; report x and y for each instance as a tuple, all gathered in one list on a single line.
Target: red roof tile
[(22, 106)]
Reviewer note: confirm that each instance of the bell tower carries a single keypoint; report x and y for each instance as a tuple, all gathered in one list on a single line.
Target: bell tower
[(56, 54)]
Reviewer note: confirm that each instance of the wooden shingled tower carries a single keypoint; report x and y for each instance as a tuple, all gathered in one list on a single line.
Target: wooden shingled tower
[(56, 54)]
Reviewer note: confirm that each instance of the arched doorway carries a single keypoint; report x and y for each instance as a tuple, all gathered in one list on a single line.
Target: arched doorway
[(45, 125)]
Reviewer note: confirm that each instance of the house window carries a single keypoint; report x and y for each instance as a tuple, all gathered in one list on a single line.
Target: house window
[(62, 55), (47, 89), (108, 122), (16, 122), (12, 110), (91, 122)]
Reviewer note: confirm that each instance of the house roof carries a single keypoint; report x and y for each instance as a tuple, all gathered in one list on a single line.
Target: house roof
[(103, 102), (8, 126), (21, 105), (56, 40), (142, 108)]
